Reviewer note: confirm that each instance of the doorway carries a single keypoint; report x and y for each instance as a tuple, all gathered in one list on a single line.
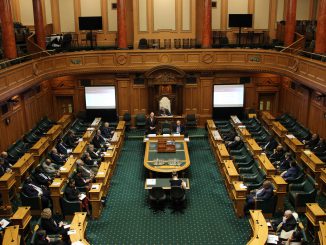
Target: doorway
[(266, 102), (64, 105)]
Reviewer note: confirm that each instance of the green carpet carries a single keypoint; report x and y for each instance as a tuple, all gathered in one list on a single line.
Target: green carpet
[(208, 219)]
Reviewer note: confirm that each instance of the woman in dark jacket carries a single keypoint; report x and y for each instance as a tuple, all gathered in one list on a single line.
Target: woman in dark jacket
[(73, 194)]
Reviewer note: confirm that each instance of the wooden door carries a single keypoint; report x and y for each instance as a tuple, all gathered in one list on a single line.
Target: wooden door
[(266, 102), (64, 105)]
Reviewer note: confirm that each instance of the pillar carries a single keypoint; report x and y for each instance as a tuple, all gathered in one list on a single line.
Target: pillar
[(8, 32), (321, 28), (39, 23), (122, 25), (207, 25), (290, 23)]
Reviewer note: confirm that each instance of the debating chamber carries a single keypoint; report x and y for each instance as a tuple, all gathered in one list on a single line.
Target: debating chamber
[(162, 122)]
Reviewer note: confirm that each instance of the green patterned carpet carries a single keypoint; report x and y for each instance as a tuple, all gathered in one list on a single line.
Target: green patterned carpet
[(208, 219)]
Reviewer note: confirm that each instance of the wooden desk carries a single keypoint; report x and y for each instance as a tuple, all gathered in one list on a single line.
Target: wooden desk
[(65, 120), (238, 197), (322, 232), (56, 193), (222, 154), (103, 176), (322, 181), (279, 130), (254, 148), (121, 127), (7, 183), (181, 155), (117, 140), (244, 133), (293, 143), (39, 149), (230, 175), (54, 132), (95, 197), (280, 188), (313, 163), (266, 165), (79, 224), (69, 167), (21, 168), (111, 156), (79, 149), (170, 118), (314, 214), (215, 138), (96, 123), (210, 125), (167, 137), (165, 183), (267, 118), (259, 228), (11, 236), (235, 121), (22, 218), (89, 135)]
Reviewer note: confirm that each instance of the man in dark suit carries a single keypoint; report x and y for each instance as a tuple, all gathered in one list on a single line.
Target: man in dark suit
[(63, 148), (179, 128), (99, 141), (292, 173), (31, 189), (96, 155), (236, 144), (4, 156), (284, 164), (57, 157), (107, 131), (310, 144), (264, 193), (41, 177), (278, 154), (320, 148), (71, 140), (270, 146), (151, 124), (3, 167)]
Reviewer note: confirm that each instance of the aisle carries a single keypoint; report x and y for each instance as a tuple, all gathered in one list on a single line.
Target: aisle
[(208, 219)]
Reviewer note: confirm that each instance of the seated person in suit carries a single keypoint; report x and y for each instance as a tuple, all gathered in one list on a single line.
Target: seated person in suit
[(80, 181), (284, 164), (164, 112), (264, 193), (3, 167), (42, 238), (236, 144), (106, 131), (278, 154), (320, 148), (177, 182), (4, 156), (295, 238), (58, 158), (51, 226), (178, 128), (63, 148), (85, 170), (71, 139), (31, 189), (270, 146), (292, 173), (91, 163), (229, 136), (151, 124), (73, 194), (288, 223), (96, 155), (99, 141), (41, 177), (310, 144), (50, 168)]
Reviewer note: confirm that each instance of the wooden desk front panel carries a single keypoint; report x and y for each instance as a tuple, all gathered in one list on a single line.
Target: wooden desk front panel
[(65, 120)]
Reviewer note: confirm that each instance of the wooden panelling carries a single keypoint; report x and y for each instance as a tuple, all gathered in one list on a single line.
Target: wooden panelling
[(124, 96), (191, 99)]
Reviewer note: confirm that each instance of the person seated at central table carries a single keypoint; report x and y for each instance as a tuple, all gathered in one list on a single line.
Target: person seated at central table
[(179, 128), (151, 124), (176, 182)]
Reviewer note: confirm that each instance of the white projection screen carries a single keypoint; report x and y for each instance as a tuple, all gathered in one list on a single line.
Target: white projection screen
[(100, 97), (228, 95)]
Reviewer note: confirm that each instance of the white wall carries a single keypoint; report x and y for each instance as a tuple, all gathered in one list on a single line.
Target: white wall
[(216, 15), (164, 15), (90, 8), (280, 10), (48, 14), (112, 16), (26, 12), (261, 14), (186, 17), (67, 16), (238, 7), (142, 11), (302, 10)]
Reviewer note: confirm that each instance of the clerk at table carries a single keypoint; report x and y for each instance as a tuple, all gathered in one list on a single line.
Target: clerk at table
[(151, 124), (179, 128)]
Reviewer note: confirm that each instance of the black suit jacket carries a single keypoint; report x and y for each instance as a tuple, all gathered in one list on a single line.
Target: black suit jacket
[(72, 194), (29, 190), (80, 181), (182, 129), (234, 145), (151, 123), (106, 132), (42, 178), (50, 226), (70, 141), (98, 141), (58, 158)]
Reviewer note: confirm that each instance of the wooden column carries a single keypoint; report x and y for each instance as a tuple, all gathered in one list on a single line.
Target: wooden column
[(8, 32), (321, 28), (39, 23), (207, 25), (290, 22), (122, 25)]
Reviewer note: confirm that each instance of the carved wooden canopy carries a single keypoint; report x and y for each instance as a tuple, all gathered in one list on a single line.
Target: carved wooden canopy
[(165, 75)]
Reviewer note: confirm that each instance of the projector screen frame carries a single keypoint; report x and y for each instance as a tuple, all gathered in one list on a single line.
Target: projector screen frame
[(243, 99), (101, 86)]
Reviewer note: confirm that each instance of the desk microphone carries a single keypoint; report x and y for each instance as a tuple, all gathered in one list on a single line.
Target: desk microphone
[(12, 238)]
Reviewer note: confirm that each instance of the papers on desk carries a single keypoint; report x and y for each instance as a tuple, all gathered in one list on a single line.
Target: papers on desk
[(242, 186), (272, 239), (150, 181), (69, 151), (55, 183), (71, 232), (290, 136), (63, 168), (90, 129), (176, 134), (80, 139), (186, 139), (165, 135), (269, 224), (82, 196), (146, 139), (77, 243), (241, 126), (151, 135), (4, 223), (95, 187), (307, 152), (66, 226), (100, 173)]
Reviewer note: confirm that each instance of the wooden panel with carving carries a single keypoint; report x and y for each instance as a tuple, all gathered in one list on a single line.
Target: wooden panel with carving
[(191, 99), (123, 96), (206, 99)]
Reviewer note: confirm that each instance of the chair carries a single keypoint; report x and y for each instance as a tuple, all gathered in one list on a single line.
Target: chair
[(178, 197), (127, 119), (34, 202), (90, 37), (177, 43), (66, 41), (191, 121), (166, 128), (167, 43), (267, 206), (157, 198), (140, 120), (300, 194), (69, 208), (185, 43), (143, 44)]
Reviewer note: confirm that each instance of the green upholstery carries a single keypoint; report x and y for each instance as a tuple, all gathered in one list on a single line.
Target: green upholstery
[(68, 208), (300, 194), (34, 202), (253, 180), (127, 119), (191, 120), (267, 206), (140, 120)]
